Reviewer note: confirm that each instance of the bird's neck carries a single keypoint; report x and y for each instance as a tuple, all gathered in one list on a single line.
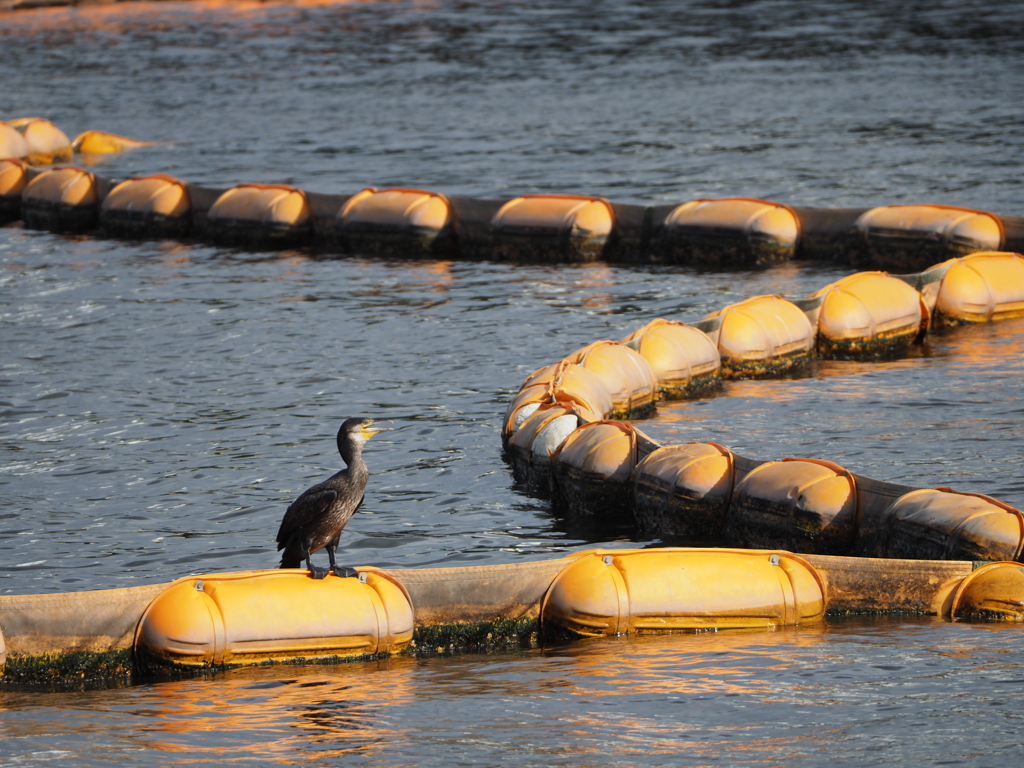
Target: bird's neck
[(353, 456)]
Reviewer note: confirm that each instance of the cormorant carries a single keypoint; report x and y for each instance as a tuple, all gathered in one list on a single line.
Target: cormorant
[(315, 519)]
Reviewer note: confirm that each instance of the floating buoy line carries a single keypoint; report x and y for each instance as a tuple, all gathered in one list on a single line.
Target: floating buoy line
[(805, 538)]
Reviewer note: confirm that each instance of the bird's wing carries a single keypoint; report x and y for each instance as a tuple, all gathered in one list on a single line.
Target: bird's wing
[(309, 506)]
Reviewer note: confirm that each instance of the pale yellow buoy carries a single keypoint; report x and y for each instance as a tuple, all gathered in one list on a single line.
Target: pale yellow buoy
[(47, 144), (100, 143), (12, 144)]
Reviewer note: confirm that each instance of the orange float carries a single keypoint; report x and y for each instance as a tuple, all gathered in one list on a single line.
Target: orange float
[(868, 314), (684, 490), (762, 336), (806, 505), (147, 206), (552, 228), (685, 360), (396, 221), (910, 237), (61, 200), (261, 214), (730, 232), (616, 592), (255, 617)]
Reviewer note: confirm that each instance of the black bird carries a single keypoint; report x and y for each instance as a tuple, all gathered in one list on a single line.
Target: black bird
[(315, 519)]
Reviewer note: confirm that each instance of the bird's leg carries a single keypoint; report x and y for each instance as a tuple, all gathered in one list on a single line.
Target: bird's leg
[(314, 571), (339, 570)]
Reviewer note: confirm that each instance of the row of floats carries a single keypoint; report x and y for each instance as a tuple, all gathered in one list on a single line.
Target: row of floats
[(715, 233), (284, 616), (565, 431)]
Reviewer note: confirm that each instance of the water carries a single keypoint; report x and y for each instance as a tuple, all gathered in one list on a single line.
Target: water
[(162, 403)]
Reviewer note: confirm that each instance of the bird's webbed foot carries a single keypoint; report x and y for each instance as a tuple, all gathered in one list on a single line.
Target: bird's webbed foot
[(318, 572), (345, 572)]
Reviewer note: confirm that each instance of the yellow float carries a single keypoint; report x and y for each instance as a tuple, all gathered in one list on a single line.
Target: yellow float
[(100, 143), (592, 466), (671, 590), (256, 617), (396, 221), (61, 200), (909, 237), (806, 505), (730, 232), (148, 205), (13, 180), (552, 228), (47, 144), (942, 524), (684, 490), (685, 360), (869, 314), (276, 214), (979, 288), (12, 144), (762, 336), (629, 378)]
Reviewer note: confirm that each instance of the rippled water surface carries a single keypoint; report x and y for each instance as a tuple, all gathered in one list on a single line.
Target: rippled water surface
[(162, 403)]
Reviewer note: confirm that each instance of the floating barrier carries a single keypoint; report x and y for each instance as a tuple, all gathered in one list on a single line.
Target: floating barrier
[(909, 237), (275, 214), (47, 144), (209, 622), (397, 221), (61, 200), (730, 232), (809, 504), (552, 228), (254, 618), (705, 493), (13, 180), (145, 205), (979, 288), (12, 144), (684, 359), (869, 314), (684, 490), (762, 336), (100, 143)]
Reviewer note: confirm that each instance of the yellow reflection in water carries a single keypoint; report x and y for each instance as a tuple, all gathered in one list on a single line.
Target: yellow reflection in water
[(277, 713)]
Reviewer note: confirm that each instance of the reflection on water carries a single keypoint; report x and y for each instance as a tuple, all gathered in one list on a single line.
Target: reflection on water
[(791, 697)]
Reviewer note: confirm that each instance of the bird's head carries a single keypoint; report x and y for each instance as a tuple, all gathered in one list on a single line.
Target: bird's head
[(357, 431)]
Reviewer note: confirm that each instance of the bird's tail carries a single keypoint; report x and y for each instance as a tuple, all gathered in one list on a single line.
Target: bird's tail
[(291, 557)]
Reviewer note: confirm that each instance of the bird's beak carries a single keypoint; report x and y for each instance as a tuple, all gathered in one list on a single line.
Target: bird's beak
[(369, 431)]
